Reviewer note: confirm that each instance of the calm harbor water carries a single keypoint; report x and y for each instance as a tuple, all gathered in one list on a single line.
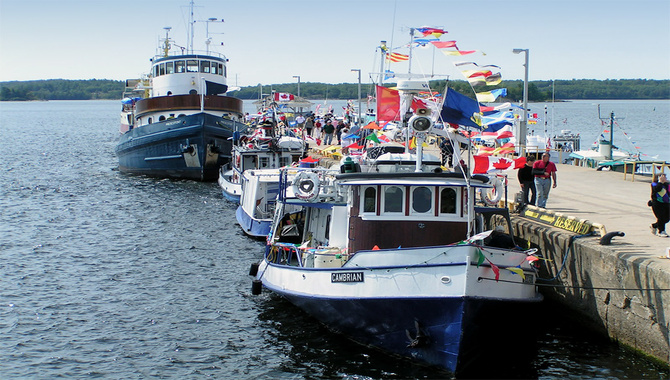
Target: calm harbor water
[(104, 275)]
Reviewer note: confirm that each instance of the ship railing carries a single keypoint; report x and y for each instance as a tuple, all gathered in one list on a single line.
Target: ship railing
[(203, 53), (633, 165)]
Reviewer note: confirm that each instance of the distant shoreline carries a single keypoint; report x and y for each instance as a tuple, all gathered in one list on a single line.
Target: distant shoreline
[(538, 91)]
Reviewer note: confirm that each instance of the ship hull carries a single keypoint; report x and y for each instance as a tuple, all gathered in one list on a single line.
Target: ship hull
[(186, 147)]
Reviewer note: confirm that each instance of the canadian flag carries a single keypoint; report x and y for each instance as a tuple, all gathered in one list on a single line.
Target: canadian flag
[(283, 96)]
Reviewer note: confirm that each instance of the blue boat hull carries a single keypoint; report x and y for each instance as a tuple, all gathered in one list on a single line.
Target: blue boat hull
[(467, 336), (251, 226), (188, 147)]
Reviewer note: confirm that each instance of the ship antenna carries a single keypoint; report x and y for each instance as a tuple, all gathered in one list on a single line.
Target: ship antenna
[(166, 43)]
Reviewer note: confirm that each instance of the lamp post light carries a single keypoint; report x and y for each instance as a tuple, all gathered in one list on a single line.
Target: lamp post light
[(298, 76), (524, 123), (359, 93)]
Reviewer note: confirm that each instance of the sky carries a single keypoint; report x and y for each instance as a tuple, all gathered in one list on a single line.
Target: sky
[(272, 41)]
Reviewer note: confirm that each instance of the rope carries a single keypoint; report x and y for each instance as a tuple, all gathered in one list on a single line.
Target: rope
[(567, 252), (579, 287)]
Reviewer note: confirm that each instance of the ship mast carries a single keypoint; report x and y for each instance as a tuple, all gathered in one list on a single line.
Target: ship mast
[(191, 28)]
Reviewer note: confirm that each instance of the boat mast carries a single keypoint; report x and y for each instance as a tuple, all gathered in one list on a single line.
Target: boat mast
[(383, 49), (411, 48), (191, 28), (612, 135)]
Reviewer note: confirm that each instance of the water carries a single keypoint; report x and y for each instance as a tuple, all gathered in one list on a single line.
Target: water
[(110, 276)]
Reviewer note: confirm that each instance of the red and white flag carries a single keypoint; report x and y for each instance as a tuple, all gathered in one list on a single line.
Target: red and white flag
[(283, 96)]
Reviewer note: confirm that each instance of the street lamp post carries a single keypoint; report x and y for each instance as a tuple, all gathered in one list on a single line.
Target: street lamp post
[(524, 123), (359, 93), (298, 76)]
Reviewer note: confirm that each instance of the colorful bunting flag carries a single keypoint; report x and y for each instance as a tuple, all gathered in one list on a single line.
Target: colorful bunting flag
[(388, 104), (444, 44), (458, 52), (373, 137), (396, 57), (490, 96), (518, 271)]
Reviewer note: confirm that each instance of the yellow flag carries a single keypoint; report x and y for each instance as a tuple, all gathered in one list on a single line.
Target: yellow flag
[(518, 271)]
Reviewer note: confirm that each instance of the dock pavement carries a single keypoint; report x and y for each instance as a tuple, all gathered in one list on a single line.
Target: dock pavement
[(604, 197)]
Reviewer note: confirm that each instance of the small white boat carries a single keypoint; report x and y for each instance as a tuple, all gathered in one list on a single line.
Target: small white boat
[(260, 149), (257, 201)]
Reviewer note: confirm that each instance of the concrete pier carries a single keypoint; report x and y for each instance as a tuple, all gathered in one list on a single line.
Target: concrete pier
[(621, 289)]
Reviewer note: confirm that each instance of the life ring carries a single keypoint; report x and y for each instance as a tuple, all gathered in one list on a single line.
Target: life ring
[(492, 196), (306, 185)]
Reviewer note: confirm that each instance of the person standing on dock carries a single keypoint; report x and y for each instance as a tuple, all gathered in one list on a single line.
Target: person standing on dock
[(527, 181), (328, 131), (660, 204), (544, 172)]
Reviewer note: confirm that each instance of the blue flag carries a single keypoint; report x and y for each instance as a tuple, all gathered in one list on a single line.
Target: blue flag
[(459, 109)]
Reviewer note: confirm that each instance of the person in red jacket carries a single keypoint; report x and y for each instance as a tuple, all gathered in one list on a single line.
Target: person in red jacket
[(544, 172)]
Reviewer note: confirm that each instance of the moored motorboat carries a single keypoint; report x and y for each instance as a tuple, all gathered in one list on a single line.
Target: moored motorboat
[(257, 202), (182, 128), (260, 148), (393, 253)]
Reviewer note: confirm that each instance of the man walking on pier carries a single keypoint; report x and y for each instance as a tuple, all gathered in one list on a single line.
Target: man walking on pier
[(544, 172)]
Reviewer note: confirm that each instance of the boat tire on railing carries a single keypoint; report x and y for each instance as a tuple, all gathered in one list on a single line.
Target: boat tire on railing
[(492, 196), (306, 186)]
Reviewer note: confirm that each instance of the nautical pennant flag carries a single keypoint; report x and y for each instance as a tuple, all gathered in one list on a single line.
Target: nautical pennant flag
[(396, 57), (491, 80), (476, 73), (388, 104), (490, 96), (498, 117), (458, 52), (426, 30), (444, 44)]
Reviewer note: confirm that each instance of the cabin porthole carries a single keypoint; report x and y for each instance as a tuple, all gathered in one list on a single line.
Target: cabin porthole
[(445, 280)]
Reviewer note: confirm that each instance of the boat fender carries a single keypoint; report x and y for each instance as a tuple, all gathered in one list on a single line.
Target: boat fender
[(497, 192), (256, 287), (253, 270), (306, 185), (607, 239)]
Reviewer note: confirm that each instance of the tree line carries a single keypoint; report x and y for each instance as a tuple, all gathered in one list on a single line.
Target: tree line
[(538, 91)]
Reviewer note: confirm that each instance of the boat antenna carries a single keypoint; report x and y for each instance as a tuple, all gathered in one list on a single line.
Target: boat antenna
[(166, 43)]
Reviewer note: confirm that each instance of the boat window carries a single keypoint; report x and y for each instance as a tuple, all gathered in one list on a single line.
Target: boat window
[(161, 118), (327, 231), (192, 66), (221, 69), (150, 120), (155, 71), (448, 201), (215, 68), (393, 199), (370, 199), (204, 66), (161, 69), (169, 68), (422, 199), (179, 66), (284, 161), (264, 162)]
